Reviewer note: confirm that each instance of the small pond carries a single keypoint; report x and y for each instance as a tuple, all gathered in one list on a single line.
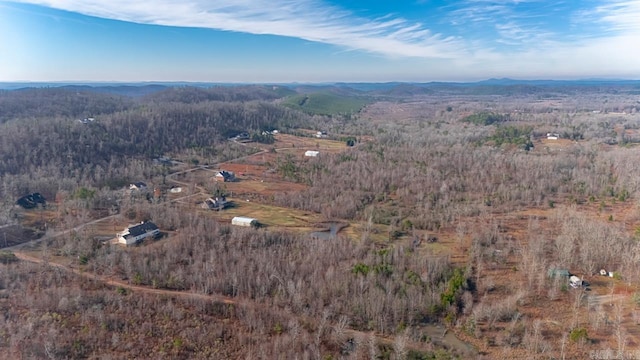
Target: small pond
[(330, 231)]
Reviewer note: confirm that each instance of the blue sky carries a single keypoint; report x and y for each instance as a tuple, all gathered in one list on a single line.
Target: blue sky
[(317, 40)]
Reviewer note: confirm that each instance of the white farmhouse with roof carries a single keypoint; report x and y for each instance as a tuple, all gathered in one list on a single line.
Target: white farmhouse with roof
[(136, 233)]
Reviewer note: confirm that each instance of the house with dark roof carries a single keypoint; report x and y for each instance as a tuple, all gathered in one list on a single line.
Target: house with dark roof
[(30, 201), (225, 176), (217, 203), (138, 186), (136, 233)]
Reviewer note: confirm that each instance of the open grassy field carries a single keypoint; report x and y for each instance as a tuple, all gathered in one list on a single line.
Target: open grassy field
[(326, 103), (269, 215), (287, 141)]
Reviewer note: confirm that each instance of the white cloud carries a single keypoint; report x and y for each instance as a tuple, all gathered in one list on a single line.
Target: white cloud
[(523, 43), (311, 20), (622, 16)]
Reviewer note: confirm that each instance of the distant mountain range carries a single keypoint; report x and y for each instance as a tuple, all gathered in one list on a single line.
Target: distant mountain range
[(392, 89)]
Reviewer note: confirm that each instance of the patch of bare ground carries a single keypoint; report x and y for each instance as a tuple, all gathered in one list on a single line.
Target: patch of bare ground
[(11, 235)]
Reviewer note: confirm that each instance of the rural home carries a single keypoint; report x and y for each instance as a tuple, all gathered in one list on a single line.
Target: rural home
[(575, 282), (244, 221), (138, 186), (225, 176), (136, 233), (311, 153), (31, 201), (217, 203)]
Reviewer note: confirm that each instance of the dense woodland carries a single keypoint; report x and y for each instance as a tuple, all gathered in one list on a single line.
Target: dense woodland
[(458, 163), (45, 146)]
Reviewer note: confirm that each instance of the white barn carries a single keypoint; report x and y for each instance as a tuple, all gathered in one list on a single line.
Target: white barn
[(136, 233), (244, 221), (311, 153)]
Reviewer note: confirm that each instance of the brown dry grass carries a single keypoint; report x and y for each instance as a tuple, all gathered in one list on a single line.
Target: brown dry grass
[(269, 215), (308, 143)]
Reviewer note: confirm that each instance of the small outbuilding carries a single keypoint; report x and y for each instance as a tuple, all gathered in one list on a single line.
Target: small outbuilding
[(244, 221), (311, 153), (136, 233)]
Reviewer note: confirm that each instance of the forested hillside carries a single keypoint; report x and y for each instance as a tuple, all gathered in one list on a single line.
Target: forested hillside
[(43, 139), (425, 225)]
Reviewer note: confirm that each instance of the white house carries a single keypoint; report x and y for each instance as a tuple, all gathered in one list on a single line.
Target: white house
[(136, 233), (311, 153), (575, 281), (244, 221)]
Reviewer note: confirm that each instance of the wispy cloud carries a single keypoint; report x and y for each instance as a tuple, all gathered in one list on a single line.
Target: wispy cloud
[(619, 16), (481, 38), (512, 33), (506, 22), (311, 20)]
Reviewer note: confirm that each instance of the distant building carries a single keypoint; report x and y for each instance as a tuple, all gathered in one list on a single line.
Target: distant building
[(138, 186), (553, 136), (31, 201), (244, 221), (217, 203), (225, 176), (163, 160), (311, 153), (136, 233), (575, 282)]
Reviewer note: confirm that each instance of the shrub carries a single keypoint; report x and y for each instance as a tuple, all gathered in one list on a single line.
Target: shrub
[(7, 257), (578, 334), (617, 276), (361, 268)]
